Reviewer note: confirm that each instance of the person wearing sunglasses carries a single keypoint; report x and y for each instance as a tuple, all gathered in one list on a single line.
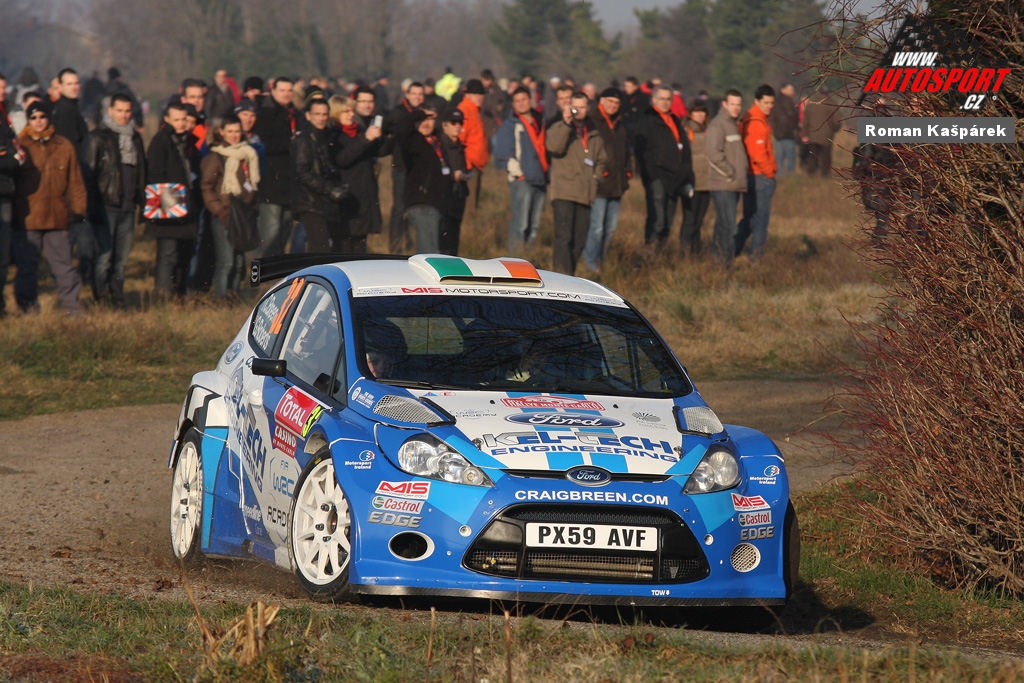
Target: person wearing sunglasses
[(50, 196)]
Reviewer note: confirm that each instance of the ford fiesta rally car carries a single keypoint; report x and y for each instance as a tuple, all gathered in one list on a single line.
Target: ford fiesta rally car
[(441, 426)]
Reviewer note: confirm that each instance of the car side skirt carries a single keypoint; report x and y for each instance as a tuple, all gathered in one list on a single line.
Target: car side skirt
[(568, 598)]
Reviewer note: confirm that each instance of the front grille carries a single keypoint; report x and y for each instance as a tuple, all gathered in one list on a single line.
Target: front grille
[(501, 549)]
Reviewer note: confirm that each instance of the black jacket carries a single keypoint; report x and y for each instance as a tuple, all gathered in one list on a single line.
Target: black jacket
[(397, 119), (274, 128), (618, 158), (317, 184), (658, 153), (101, 166), (633, 108), (174, 159), (68, 121), (9, 164), (425, 180), (356, 158)]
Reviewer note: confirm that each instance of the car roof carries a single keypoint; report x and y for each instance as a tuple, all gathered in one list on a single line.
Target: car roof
[(440, 274)]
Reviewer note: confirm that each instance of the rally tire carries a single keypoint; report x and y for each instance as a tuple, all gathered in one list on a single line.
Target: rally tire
[(187, 501), (320, 530), (791, 548)]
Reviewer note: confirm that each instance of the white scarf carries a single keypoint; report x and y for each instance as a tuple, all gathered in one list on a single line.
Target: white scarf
[(233, 156)]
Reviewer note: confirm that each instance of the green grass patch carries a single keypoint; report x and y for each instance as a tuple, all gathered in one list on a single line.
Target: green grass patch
[(161, 641)]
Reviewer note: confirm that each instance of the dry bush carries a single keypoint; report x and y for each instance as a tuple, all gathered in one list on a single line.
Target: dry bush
[(939, 398)]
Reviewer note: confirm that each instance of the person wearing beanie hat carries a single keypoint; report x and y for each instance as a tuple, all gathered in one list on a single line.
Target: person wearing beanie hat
[(50, 197), (455, 153), (606, 117), (252, 88), (473, 137)]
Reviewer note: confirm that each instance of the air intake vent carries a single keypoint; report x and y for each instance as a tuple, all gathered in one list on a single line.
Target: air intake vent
[(699, 420), (404, 409)]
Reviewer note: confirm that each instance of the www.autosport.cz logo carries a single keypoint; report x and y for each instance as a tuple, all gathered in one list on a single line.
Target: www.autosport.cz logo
[(916, 72)]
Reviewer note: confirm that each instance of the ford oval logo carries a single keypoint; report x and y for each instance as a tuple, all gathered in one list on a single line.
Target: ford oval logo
[(563, 420), (589, 476)]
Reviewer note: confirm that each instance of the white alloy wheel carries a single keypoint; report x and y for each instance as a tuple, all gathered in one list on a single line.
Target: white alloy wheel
[(187, 500), (321, 523)]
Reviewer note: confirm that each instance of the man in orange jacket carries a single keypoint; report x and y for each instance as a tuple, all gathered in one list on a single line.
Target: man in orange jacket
[(473, 137), (757, 202)]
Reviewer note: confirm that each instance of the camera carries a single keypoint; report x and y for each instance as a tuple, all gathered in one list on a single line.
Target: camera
[(574, 111)]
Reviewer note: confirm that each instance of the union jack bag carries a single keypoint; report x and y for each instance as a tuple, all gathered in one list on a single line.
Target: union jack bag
[(165, 201)]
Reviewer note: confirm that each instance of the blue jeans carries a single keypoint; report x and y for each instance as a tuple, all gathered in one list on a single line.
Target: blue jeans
[(275, 226), (785, 155), (228, 263), (527, 203), (604, 218), (724, 242), (425, 222), (757, 209), (113, 243)]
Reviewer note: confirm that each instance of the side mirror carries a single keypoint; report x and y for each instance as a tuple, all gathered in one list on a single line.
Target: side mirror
[(269, 367)]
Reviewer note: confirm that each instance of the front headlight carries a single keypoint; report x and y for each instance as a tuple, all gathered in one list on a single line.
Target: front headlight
[(427, 456), (717, 470)]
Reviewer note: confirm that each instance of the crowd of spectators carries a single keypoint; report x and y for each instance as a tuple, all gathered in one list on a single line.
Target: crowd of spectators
[(235, 172)]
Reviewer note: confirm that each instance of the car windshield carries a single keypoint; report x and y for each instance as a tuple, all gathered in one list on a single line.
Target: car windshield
[(499, 344)]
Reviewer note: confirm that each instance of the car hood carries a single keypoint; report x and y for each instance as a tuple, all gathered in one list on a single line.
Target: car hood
[(539, 432)]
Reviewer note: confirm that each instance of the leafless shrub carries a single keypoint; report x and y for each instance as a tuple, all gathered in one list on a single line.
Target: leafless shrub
[(939, 396)]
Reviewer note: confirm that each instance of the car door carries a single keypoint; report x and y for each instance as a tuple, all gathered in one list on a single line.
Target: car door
[(310, 340)]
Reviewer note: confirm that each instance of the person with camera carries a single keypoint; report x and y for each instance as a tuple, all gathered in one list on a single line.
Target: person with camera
[(666, 166), (578, 159), (428, 187), (318, 187)]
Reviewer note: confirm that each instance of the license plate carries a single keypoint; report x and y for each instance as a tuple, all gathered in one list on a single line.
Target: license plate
[(597, 536)]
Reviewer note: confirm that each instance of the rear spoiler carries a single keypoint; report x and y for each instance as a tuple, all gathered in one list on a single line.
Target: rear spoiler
[(276, 267)]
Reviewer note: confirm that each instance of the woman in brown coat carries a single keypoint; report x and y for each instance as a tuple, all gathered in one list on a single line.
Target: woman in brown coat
[(232, 168)]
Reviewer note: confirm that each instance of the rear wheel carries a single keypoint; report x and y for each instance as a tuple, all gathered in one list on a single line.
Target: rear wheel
[(187, 501), (321, 527)]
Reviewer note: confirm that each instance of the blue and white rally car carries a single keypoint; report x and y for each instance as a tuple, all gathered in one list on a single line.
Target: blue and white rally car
[(441, 426)]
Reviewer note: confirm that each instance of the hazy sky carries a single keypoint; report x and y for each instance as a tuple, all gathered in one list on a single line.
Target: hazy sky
[(618, 14)]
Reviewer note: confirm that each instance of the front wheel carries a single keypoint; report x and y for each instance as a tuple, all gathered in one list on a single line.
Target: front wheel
[(321, 528), (187, 501)]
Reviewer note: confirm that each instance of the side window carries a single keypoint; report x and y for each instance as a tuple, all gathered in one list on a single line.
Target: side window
[(270, 315), (313, 342)]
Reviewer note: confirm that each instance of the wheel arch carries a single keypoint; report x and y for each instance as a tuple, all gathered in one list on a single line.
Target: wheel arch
[(203, 407)]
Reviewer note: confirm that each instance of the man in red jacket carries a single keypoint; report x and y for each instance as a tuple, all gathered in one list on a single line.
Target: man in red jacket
[(473, 137), (757, 202)]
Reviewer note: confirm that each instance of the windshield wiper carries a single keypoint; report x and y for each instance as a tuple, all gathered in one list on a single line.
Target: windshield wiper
[(415, 384)]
